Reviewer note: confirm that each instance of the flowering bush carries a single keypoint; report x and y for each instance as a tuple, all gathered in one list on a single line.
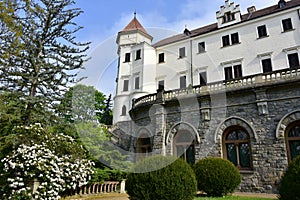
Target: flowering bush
[(46, 165)]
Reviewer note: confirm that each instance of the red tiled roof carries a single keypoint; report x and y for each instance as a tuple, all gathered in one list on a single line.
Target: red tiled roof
[(134, 25), (213, 27)]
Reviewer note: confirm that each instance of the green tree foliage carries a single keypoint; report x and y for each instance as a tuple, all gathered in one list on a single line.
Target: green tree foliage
[(96, 140), (290, 182), (45, 55), (174, 179), (217, 176), (84, 103)]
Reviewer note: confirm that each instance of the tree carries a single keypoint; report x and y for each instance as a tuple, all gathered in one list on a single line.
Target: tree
[(85, 103), (47, 56)]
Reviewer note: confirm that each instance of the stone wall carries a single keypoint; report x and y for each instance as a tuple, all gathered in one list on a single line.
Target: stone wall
[(259, 110)]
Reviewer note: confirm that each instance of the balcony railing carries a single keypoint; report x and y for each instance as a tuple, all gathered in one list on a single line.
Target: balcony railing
[(244, 82)]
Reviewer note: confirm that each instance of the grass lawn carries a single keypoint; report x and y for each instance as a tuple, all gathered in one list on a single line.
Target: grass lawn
[(232, 198)]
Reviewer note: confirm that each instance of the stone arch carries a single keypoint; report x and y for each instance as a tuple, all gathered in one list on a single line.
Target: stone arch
[(181, 126), (143, 143), (285, 121), (234, 121)]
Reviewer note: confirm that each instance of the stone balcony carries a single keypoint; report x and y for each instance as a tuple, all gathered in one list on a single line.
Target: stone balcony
[(254, 81)]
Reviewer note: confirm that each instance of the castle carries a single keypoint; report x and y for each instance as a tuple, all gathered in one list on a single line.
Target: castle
[(229, 89)]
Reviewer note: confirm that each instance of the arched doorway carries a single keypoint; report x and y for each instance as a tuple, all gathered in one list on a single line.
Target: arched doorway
[(144, 146), (292, 137), (184, 146)]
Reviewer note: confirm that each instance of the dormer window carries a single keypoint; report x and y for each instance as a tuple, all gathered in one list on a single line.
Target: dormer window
[(228, 17), (281, 4)]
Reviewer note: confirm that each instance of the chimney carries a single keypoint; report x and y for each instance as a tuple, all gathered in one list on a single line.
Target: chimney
[(251, 9)]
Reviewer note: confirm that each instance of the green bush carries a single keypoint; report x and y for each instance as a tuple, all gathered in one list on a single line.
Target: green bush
[(289, 187), (175, 181), (216, 176)]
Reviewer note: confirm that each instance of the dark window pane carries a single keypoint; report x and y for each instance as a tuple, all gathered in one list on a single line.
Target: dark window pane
[(225, 40), (161, 85), (201, 47), (232, 136), (203, 78), (242, 135), (138, 54), (237, 71), (228, 73), (235, 38), (127, 57), (244, 152), (294, 132), (182, 82), (267, 65), (231, 153), (123, 110), (137, 83), (182, 52), (293, 60), (294, 148), (287, 24), (161, 57), (125, 86), (262, 31)]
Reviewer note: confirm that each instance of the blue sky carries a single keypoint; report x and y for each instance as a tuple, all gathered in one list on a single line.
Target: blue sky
[(102, 20)]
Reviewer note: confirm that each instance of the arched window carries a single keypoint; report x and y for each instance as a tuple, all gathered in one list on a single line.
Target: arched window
[(144, 147), (293, 140), (123, 111), (184, 146), (236, 143)]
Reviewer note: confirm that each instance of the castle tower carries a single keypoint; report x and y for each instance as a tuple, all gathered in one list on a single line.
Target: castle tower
[(136, 68)]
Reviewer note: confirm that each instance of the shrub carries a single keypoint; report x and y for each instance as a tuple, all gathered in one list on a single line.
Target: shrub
[(216, 176), (174, 181), (290, 182)]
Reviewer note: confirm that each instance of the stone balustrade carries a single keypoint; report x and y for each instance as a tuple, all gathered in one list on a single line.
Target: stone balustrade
[(244, 82), (105, 187)]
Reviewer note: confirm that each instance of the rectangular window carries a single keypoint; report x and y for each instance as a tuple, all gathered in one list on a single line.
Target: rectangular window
[(225, 40), (228, 73), (203, 78), (137, 83), (237, 71), (235, 38), (201, 47), (161, 58), (127, 57), (293, 60), (262, 31), (266, 65), (125, 85), (287, 24), (182, 52), (161, 85), (138, 55), (182, 82)]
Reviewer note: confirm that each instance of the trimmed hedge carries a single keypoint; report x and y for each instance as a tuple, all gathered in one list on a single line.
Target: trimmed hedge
[(216, 176), (174, 181), (289, 187)]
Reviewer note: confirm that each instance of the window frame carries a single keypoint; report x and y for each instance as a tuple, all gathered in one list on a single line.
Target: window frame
[(291, 65), (161, 84), (203, 78), (182, 83), (288, 139), (137, 83), (186, 144), (235, 39), (237, 144), (266, 68), (287, 25), (138, 54), (125, 85), (201, 47), (233, 71), (124, 111), (127, 57), (225, 40), (161, 58), (182, 53), (262, 31)]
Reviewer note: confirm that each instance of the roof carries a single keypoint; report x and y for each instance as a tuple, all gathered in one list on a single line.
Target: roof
[(214, 27), (134, 24)]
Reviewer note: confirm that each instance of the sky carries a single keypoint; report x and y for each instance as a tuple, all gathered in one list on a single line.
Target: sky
[(102, 20)]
